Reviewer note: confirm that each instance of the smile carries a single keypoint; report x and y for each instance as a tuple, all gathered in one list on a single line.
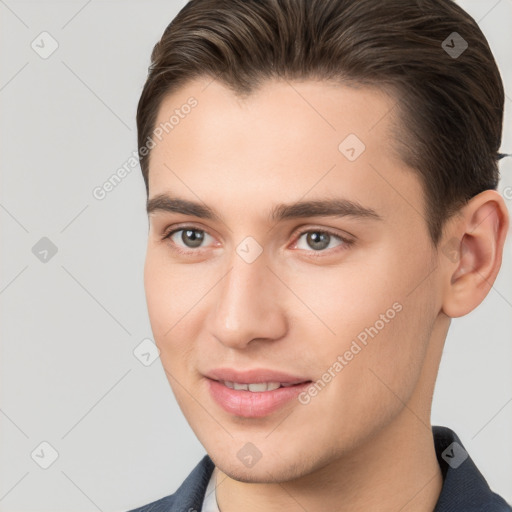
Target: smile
[(253, 400)]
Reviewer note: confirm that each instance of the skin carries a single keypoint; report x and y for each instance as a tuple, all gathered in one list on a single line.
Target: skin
[(365, 441)]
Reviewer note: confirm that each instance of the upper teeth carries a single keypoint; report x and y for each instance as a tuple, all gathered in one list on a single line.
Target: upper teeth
[(260, 386)]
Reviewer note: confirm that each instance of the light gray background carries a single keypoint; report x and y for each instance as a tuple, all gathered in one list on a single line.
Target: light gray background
[(69, 326)]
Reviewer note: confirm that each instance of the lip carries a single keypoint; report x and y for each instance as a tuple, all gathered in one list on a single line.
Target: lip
[(255, 375), (249, 404)]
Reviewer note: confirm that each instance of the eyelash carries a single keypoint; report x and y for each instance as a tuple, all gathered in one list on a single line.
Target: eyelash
[(316, 254)]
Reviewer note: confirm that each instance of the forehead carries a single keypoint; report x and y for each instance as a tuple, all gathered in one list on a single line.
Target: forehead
[(279, 114), (287, 138)]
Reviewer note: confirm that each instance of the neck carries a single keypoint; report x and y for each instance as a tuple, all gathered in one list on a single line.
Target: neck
[(392, 473)]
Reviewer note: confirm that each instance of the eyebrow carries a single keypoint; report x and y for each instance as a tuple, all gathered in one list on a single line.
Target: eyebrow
[(338, 207)]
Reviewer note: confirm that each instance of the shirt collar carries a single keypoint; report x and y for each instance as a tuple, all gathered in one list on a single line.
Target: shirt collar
[(464, 487)]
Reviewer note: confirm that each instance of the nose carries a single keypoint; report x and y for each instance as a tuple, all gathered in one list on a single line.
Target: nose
[(248, 304)]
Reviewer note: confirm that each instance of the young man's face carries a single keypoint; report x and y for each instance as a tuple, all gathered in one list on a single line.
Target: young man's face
[(248, 292)]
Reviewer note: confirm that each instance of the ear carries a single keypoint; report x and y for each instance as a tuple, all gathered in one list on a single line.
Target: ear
[(471, 252)]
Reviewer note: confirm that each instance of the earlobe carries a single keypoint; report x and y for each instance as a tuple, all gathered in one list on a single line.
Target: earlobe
[(473, 253)]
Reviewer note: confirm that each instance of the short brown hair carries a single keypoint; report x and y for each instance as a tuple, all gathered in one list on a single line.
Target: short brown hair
[(450, 108)]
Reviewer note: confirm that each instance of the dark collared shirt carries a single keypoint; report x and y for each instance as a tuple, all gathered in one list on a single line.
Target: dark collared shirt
[(464, 487)]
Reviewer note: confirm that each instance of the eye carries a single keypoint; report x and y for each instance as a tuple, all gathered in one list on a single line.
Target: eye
[(190, 237), (318, 240), (187, 239)]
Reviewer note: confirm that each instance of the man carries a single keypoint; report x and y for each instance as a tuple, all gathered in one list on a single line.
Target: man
[(321, 180)]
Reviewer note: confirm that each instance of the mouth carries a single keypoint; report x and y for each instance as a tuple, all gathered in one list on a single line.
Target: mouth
[(254, 399), (259, 387)]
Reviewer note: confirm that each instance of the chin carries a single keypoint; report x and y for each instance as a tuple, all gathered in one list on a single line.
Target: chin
[(270, 471), (251, 477)]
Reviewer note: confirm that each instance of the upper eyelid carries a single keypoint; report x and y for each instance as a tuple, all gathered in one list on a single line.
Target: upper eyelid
[(175, 229)]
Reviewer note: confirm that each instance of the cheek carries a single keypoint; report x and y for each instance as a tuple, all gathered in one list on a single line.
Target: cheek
[(340, 302), (367, 383), (156, 286), (373, 333), (166, 298), (168, 290), (174, 296)]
